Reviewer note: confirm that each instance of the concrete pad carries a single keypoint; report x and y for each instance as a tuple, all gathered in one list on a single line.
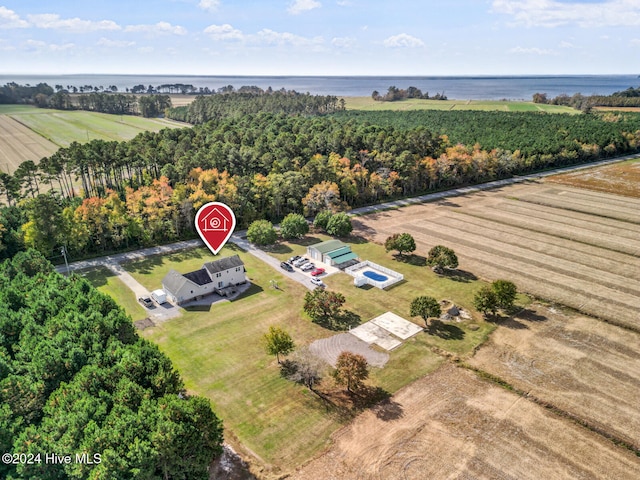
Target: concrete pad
[(397, 325), (371, 333), (368, 332), (388, 342)]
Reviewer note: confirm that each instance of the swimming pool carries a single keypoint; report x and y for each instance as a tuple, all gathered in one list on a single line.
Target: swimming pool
[(375, 276)]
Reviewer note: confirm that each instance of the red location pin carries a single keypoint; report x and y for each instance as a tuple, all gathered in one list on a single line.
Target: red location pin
[(215, 222)]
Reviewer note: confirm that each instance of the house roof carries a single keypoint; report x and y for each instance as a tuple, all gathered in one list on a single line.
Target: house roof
[(201, 277), (222, 264), (328, 246), (174, 281)]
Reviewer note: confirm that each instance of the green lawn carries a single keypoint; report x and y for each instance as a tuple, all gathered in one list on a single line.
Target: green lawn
[(219, 351), (108, 282), (220, 355), (63, 127), (367, 103)]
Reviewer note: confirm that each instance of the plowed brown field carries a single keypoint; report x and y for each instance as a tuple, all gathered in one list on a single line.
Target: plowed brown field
[(620, 178), (578, 364), (19, 144), (577, 247), (451, 424)]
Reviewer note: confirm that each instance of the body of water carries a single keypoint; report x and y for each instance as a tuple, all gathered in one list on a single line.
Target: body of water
[(454, 87)]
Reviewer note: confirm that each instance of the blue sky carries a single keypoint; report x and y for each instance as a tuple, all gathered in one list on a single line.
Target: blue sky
[(320, 37)]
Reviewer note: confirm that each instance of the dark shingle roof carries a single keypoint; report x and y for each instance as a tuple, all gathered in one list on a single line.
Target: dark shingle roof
[(223, 264), (201, 277)]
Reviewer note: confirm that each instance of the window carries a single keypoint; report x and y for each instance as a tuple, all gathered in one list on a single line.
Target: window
[(218, 275), (237, 269), (220, 284)]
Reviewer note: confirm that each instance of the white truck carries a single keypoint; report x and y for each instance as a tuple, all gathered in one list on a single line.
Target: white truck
[(159, 296)]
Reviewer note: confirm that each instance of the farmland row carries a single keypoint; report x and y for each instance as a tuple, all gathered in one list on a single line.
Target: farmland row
[(19, 144), (581, 279), (625, 275), (628, 213), (537, 281), (574, 234), (598, 257), (454, 425), (578, 364), (562, 216)]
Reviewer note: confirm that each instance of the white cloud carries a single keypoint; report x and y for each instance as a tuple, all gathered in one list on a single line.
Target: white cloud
[(77, 25), (224, 32), (106, 42), (565, 44), (39, 45), (209, 5), (344, 3), (285, 38), (403, 40), (299, 6), (531, 51), (553, 13), (10, 19), (635, 42), (158, 28), (145, 50), (343, 42)]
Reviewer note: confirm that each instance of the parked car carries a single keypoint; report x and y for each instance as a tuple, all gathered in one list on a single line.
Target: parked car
[(316, 281), (286, 266), (308, 266), (300, 262), (294, 258), (317, 271), (146, 301)]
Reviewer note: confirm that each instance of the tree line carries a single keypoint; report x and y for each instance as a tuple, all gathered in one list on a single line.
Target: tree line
[(394, 94), (625, 98), (75, 378), (105, 196)]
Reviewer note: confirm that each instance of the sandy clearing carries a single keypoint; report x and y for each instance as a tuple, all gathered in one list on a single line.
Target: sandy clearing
[(451, 424)]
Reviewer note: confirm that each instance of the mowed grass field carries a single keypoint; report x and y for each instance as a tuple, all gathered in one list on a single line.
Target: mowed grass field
[(108, 282), (573, 246), (367, 103), (30, 133), (219, 350)]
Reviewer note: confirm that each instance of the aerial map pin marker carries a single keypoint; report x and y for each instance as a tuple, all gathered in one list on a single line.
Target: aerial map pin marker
[(215, 222)]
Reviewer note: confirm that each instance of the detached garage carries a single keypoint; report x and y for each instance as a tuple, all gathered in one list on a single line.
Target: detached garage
[(332, 252)]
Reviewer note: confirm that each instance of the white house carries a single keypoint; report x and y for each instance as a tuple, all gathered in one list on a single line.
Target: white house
[(220, 276)]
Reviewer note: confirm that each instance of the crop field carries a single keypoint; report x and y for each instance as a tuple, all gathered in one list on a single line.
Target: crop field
[(29, 133), (451, 424), (367, 103), (18, 144), (620, 178), (578, 364), (577, 247)]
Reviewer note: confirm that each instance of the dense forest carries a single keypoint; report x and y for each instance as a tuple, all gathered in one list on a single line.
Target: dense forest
[(75, 379), (106, 196), (251, 101)]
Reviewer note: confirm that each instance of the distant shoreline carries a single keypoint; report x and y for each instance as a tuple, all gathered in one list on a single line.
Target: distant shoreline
[(470, 87)]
